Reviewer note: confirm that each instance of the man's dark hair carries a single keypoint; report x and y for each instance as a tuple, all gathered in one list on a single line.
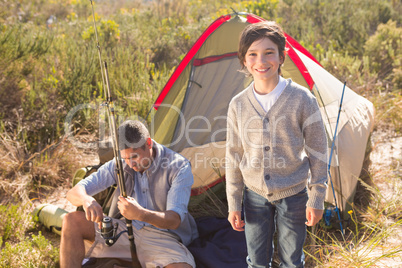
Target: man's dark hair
[(132, 134), (258, 31)]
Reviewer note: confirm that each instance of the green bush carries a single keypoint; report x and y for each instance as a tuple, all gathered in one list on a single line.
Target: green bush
[(34, 251), (384, 48), (108, 33), (14, 222), (19, 246), (342, 25)]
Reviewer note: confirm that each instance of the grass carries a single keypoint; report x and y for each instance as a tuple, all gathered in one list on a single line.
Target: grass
[(22, 245), (47, 70), (371, 240)]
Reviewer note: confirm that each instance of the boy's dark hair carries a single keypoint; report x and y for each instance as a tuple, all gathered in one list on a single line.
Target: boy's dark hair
[(132, 134), (258, 31)]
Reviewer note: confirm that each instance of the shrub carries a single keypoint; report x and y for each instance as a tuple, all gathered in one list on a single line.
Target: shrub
[(34, 251), (108, 33), (384, 48)]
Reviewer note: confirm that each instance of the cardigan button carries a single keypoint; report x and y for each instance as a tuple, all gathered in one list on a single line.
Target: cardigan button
[(270, 194), (266, 120), (267, 177), (267, 148)]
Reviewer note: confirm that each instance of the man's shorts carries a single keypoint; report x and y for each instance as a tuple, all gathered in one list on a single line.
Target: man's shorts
[(155, 248)]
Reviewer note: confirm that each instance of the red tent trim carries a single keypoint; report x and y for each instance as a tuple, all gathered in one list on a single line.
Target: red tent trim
[(200, 62), (251, 18), (218, 22), (299, 63), (299, 47), (203, 189)]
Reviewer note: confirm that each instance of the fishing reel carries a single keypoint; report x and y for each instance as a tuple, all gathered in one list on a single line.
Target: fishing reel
[(329, 217), (109, 231)]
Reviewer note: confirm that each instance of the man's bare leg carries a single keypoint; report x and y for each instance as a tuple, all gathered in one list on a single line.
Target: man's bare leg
[(75, 230)]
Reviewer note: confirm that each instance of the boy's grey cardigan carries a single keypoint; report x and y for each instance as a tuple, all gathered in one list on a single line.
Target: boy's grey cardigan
[(276, 154)]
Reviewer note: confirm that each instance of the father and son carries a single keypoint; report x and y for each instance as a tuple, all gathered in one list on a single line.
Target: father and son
[(283, 200)]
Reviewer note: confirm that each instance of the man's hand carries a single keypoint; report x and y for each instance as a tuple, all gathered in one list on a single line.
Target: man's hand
[(235, 220), (313, 216), (93, 211), (130, 208)]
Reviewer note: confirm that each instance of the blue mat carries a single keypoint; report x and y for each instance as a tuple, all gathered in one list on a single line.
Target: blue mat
[(218, 245)]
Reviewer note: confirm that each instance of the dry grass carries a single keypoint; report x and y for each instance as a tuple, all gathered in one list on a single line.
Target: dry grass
[(373, 237), (27, 177), (27, 180)]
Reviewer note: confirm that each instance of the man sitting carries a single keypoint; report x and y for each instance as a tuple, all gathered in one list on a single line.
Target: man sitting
[(158, 184)]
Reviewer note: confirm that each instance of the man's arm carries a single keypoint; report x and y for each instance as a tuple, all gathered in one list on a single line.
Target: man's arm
[(81, 194), (176, 204), (79, 197), (131, 210)]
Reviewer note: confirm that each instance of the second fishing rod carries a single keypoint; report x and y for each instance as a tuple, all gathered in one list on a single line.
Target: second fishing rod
[(109, 235)]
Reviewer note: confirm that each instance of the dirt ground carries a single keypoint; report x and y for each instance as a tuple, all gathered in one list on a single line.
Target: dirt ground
[(386, 172)]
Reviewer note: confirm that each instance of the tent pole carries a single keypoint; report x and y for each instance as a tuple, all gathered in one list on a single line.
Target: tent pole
[(331, 134), (330, 158), (340, 181)]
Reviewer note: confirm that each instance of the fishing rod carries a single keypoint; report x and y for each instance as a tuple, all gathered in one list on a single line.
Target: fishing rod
[(330, 158), (119, 166)]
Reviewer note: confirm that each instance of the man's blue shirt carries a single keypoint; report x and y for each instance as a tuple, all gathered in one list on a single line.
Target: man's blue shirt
[(165, 185)]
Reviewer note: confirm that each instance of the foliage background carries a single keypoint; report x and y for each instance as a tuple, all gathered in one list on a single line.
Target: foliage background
[(49, 65)]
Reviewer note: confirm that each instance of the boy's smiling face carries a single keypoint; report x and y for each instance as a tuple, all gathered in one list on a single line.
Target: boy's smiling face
[(262, 61)]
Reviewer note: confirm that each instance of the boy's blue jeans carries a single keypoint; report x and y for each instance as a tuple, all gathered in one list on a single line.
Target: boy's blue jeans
[(288, 215)]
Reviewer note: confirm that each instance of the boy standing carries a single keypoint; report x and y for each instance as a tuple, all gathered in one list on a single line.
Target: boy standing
[(277, 152)]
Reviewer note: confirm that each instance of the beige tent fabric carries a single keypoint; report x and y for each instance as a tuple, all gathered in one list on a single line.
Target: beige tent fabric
[(164, 121), (355, 125), (290, 70), (224, 40), (207, 162), (328, 90), (351, 143), (204, 111)]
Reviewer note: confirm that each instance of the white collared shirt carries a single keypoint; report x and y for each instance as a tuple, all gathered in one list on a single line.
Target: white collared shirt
[(268, 100)]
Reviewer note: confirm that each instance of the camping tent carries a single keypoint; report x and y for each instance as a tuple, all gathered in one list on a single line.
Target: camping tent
[(191, 109)]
